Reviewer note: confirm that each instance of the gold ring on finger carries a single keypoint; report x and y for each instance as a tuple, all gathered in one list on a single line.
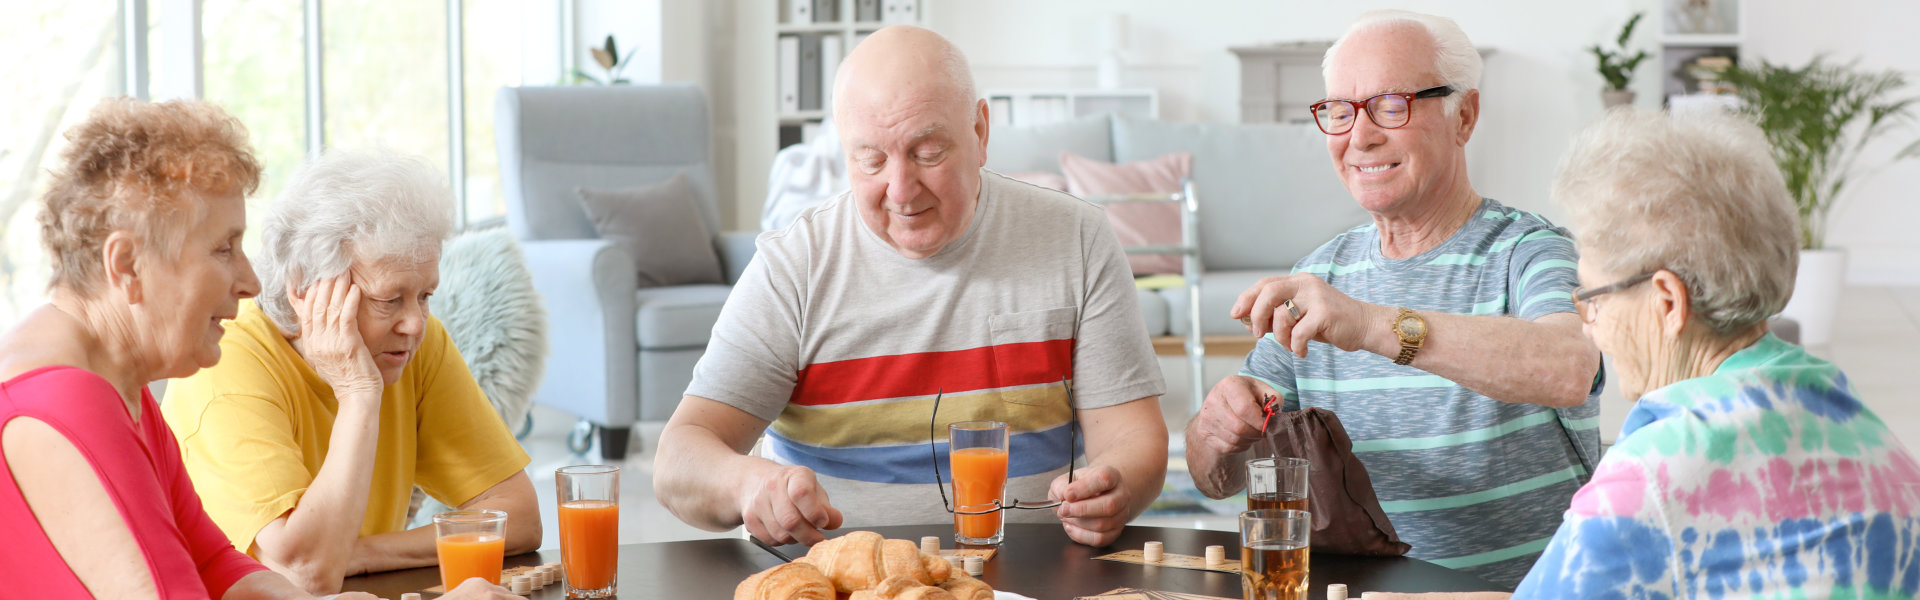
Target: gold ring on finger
[(1292, 310)]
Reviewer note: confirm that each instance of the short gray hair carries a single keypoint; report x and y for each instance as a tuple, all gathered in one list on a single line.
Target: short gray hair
[(1696, 194), (345, 205), (1454, 56)]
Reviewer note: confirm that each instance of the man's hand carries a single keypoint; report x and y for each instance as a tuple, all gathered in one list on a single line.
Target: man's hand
[(1326, 314), (1095, 506), (787, 506), (1230, 418), (329, 338)]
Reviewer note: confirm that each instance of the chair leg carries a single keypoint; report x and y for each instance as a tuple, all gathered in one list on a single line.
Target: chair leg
[(613, 443)]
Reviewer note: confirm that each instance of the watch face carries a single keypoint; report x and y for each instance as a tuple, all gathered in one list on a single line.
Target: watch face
[(1411, 327)]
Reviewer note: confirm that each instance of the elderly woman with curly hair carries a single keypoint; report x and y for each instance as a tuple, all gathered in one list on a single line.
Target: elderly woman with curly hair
[(143, 222), (339, 391), (1747, 466)]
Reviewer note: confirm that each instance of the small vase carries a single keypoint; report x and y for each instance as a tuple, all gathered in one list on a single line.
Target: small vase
[(1612, 98), (1816, 294)]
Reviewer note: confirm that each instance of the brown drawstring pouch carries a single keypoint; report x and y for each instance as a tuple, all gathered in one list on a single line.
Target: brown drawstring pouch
[(1346, 514)]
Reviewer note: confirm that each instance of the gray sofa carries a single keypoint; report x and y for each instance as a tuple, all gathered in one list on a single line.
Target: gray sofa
[(1267, 195), (621, 353)]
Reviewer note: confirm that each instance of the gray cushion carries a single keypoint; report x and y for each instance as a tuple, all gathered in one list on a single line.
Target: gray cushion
[(1268, 193), (1154, 309), (680, 316), (1038, 148), (660, 226), (1218, 291)]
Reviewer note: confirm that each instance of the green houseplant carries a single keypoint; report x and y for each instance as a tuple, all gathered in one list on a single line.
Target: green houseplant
[(1819, 118), (609, 58), (1614, 64)]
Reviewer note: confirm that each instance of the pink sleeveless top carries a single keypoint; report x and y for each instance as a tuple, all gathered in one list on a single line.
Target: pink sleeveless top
[(139, 465)]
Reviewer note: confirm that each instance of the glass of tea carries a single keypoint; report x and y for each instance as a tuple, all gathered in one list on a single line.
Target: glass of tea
[(1277, 483), (1273, 554)]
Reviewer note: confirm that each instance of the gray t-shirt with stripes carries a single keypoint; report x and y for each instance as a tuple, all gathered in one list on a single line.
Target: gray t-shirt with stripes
[(1471, 482)]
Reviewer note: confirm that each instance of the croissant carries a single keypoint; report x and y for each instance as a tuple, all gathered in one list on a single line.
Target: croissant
[(902, 588), (791, 581), (862, 559), (964, 587)]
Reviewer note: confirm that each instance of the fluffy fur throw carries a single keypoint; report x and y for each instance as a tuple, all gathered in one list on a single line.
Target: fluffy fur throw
[(487, 301)]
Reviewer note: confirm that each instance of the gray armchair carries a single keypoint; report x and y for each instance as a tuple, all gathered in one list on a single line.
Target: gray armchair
[(621, 354)]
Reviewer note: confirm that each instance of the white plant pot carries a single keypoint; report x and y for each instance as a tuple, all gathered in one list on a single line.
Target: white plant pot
[(1816, 294)]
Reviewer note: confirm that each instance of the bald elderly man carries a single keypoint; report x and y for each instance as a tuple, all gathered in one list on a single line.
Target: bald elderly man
[(931, 277)]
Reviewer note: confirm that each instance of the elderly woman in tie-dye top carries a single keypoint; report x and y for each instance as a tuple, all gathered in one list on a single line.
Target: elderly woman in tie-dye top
[(1747, 467)]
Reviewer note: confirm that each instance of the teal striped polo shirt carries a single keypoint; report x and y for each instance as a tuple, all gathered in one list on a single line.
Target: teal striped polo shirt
[(1471, 482)]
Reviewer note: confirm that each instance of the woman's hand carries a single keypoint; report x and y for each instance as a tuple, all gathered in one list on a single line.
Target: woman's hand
[(330, 337)]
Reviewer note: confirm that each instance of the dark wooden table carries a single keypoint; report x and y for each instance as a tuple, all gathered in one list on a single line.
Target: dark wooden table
[(691, 570), (1039, 561)]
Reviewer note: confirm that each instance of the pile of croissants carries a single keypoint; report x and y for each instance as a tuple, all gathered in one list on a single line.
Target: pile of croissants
[(863, 566)]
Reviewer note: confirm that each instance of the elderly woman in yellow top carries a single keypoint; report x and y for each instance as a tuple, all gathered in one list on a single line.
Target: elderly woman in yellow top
[(338, 391)]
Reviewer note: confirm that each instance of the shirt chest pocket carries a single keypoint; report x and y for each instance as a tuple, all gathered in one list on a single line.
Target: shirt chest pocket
[(1032, 348)]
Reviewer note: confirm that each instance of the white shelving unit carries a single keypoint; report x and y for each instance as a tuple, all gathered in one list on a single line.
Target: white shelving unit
[(809, 30), (1690, 30), (1028, 107)]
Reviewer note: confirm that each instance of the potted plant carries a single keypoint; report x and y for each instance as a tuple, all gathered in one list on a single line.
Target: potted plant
[(1616, 67), (1819, 119), (609, 58)]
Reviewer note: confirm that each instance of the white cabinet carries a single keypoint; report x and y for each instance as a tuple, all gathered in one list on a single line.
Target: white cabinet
[(1025, 108)]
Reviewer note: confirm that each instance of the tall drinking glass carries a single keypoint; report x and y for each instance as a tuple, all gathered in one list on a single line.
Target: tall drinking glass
[(471, 543), (979, 463), (1273, 554), (589, 528), (1277, 483)]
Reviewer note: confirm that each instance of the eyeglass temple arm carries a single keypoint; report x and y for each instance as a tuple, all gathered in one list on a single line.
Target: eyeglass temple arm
[(933, 449)]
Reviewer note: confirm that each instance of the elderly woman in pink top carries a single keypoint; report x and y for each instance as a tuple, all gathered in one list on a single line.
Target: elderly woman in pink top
[(143, 224)]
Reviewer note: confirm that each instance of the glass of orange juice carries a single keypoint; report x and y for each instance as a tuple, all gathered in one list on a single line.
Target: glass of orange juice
[(471, 543), (589, 528), (978, 451)]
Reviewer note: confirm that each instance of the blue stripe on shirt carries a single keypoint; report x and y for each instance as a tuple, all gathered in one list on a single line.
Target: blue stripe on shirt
[(1030, 453)]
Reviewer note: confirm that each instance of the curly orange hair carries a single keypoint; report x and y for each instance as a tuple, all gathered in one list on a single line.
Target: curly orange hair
[(144, 168)]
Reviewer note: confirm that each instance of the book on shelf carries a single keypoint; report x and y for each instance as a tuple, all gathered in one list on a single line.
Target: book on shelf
[(800, 12), (830, 54), (809, 71), (824, 11), (789, 92), (866, 11)]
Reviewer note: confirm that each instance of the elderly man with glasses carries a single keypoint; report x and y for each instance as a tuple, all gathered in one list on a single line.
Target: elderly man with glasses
[(933, 289), (1442, 333)]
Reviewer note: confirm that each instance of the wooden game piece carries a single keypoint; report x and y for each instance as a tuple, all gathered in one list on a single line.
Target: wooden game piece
[(1155, 551), (1336, 591), (1216, 556), (546, 576), (956, 561), (930, 544), (410, 596), (1371, 595), (975, 566), (522, 585)]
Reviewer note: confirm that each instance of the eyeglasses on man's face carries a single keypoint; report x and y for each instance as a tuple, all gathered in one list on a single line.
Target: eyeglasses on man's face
[(1073, 442), (1583, 297), (1388, 111)]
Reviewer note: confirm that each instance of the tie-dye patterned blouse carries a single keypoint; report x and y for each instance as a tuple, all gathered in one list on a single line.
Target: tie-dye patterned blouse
[(1767, 478)]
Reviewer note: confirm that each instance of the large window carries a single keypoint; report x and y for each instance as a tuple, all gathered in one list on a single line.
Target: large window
[(66, 57), (385, 83)]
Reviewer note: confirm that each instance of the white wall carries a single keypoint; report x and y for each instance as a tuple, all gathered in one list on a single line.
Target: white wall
[(1874, 221), (1540, 85)]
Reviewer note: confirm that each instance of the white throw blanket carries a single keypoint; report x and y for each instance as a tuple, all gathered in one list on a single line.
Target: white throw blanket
[(804, 175)]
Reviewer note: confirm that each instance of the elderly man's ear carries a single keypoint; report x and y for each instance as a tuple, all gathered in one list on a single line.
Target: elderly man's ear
[(1469, 115), (980, 121)]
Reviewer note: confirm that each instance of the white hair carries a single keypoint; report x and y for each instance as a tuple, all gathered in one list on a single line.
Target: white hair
[(371, 206), (1696, 194), (1454, 56)]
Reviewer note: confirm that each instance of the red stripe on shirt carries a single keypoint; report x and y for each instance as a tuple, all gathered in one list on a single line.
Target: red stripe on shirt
[(923, 374)]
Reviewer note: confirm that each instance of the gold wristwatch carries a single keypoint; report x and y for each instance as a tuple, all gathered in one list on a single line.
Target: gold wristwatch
[(1412, 331)]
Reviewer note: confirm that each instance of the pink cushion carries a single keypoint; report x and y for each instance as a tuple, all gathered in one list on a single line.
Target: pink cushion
[(1134, 223), (1041, 178)]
